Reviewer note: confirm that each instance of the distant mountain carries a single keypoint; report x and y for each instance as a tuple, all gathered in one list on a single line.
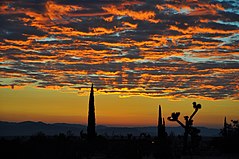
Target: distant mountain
[(28, 128)]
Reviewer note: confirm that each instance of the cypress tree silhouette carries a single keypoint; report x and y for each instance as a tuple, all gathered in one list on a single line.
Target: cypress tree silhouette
[(91, 134), (161, 125), (188, 126), (224, 131)]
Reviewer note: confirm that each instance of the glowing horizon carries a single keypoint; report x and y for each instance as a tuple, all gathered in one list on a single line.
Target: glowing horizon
[(53, 106)]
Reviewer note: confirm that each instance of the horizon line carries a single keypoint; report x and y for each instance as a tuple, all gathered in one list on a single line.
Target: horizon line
[(108, 125)]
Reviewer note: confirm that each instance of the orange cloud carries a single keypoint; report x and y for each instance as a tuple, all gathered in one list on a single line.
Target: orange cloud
[(198, 30), (136, 15), (206, 9), (56, 11), (159, 7), (122, 44), (109, 19), (134, 26)]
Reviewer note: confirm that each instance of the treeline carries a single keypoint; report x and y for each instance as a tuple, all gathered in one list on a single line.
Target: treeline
[(65, 146)]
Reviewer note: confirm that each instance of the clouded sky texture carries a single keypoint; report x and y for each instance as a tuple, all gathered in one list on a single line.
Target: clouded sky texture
[(165, 49)]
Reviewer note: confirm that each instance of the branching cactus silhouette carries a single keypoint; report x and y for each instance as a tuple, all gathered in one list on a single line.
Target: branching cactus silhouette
[(188, 126)]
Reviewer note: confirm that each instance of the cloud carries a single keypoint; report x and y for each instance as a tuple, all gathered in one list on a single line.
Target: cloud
[(157, 49)]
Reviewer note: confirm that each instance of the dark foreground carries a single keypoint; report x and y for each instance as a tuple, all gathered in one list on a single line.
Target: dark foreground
[(71, 147)]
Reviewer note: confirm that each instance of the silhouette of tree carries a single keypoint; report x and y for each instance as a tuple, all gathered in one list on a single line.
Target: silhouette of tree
[(229, 141), (231, 129), (224, 131), (91, 116), (188, 127), (161, 126)]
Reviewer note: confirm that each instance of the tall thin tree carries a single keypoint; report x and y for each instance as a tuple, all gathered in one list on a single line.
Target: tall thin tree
[(91, 116), (161, 125)]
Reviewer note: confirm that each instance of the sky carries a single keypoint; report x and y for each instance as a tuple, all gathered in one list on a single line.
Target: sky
[(138, 54)]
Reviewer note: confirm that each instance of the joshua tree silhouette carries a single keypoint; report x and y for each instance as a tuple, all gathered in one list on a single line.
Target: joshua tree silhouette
[(91, 134), (188, 126)]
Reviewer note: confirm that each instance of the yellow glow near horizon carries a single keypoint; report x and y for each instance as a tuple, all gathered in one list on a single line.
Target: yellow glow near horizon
[(53, 106)]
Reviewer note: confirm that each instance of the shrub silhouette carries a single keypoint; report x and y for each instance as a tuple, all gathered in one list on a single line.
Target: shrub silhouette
[(231, 129)]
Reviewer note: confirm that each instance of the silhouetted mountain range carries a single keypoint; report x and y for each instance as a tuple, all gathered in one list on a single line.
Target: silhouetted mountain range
[(28, 128)]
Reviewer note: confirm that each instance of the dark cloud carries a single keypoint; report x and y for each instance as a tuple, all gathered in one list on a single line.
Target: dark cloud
[(151, 48)]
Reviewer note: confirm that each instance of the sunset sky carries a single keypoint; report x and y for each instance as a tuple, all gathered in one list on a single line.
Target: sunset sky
[(138, 54)]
